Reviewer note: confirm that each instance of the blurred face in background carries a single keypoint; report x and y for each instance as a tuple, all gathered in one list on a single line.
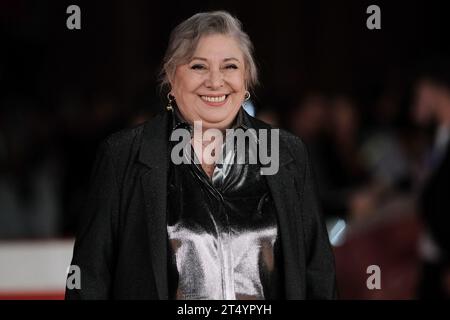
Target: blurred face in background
[(211, 86), (431, 104), (309, 118), (425, 101), (345, 119)]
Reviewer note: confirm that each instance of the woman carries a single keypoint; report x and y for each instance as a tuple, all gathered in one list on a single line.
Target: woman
[(158, 228)]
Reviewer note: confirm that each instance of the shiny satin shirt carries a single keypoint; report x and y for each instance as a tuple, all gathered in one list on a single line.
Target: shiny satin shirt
[(222, 231)]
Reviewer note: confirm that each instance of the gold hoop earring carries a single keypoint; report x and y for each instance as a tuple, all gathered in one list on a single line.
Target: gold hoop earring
[(247, 96), (169, 106)]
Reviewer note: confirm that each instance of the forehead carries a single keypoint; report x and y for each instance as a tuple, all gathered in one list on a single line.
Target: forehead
[(219, 47)]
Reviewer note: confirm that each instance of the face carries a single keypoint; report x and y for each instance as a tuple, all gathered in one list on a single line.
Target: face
[(211, 86)]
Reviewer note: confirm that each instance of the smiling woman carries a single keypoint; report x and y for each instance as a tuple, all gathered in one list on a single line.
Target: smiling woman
[(204, 230), (209, 63), (211, 86)]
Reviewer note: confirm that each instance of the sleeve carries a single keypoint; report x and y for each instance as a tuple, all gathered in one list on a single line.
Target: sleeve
[(320, 264), (94, 246)]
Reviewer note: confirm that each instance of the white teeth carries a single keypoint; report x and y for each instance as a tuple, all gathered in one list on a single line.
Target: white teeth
[(214, 99)]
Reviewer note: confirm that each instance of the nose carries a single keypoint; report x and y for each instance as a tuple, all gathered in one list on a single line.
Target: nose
[(214, 80)]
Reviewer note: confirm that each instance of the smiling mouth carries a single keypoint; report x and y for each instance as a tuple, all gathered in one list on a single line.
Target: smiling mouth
[(214, 99)]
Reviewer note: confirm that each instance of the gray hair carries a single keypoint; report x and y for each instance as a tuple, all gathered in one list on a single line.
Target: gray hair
[(185, 37)]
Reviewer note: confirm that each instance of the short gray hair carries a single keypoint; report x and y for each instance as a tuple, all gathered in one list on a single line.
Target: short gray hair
[(185, 37)]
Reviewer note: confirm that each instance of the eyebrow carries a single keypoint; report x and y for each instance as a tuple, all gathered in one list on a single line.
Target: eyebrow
[(230, 59), (224, 60)]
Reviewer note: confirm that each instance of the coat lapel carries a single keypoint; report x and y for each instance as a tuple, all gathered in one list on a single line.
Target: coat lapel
[(154, 183), (283, 187)]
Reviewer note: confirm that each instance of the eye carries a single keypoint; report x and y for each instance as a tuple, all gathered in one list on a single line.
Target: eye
[(231, 66), (198, 67)]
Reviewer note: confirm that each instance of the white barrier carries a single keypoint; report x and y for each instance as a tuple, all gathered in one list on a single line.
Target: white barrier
[(34, 267)]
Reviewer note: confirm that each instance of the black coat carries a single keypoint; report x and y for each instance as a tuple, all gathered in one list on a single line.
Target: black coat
[(436, 205), (121, 248)]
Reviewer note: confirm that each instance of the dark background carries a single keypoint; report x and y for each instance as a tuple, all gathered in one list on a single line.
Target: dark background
[(300, 45)]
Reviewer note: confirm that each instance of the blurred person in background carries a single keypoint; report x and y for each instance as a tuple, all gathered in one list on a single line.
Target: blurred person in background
[(331, 128), (432, 109), (357, 196), (30, 172), (387, 150)]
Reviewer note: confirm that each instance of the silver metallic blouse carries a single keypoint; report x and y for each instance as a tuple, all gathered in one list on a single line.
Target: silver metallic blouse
[(223, 234)]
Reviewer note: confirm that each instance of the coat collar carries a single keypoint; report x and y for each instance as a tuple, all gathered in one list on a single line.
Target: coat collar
[(154, 155)]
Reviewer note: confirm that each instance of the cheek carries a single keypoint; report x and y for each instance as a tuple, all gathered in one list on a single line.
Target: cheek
[(237, 83), (192, 83), (184, 93), (186, 83)]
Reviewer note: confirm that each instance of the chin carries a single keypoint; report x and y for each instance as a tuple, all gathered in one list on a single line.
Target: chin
[(217, 115), (213, 122)]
